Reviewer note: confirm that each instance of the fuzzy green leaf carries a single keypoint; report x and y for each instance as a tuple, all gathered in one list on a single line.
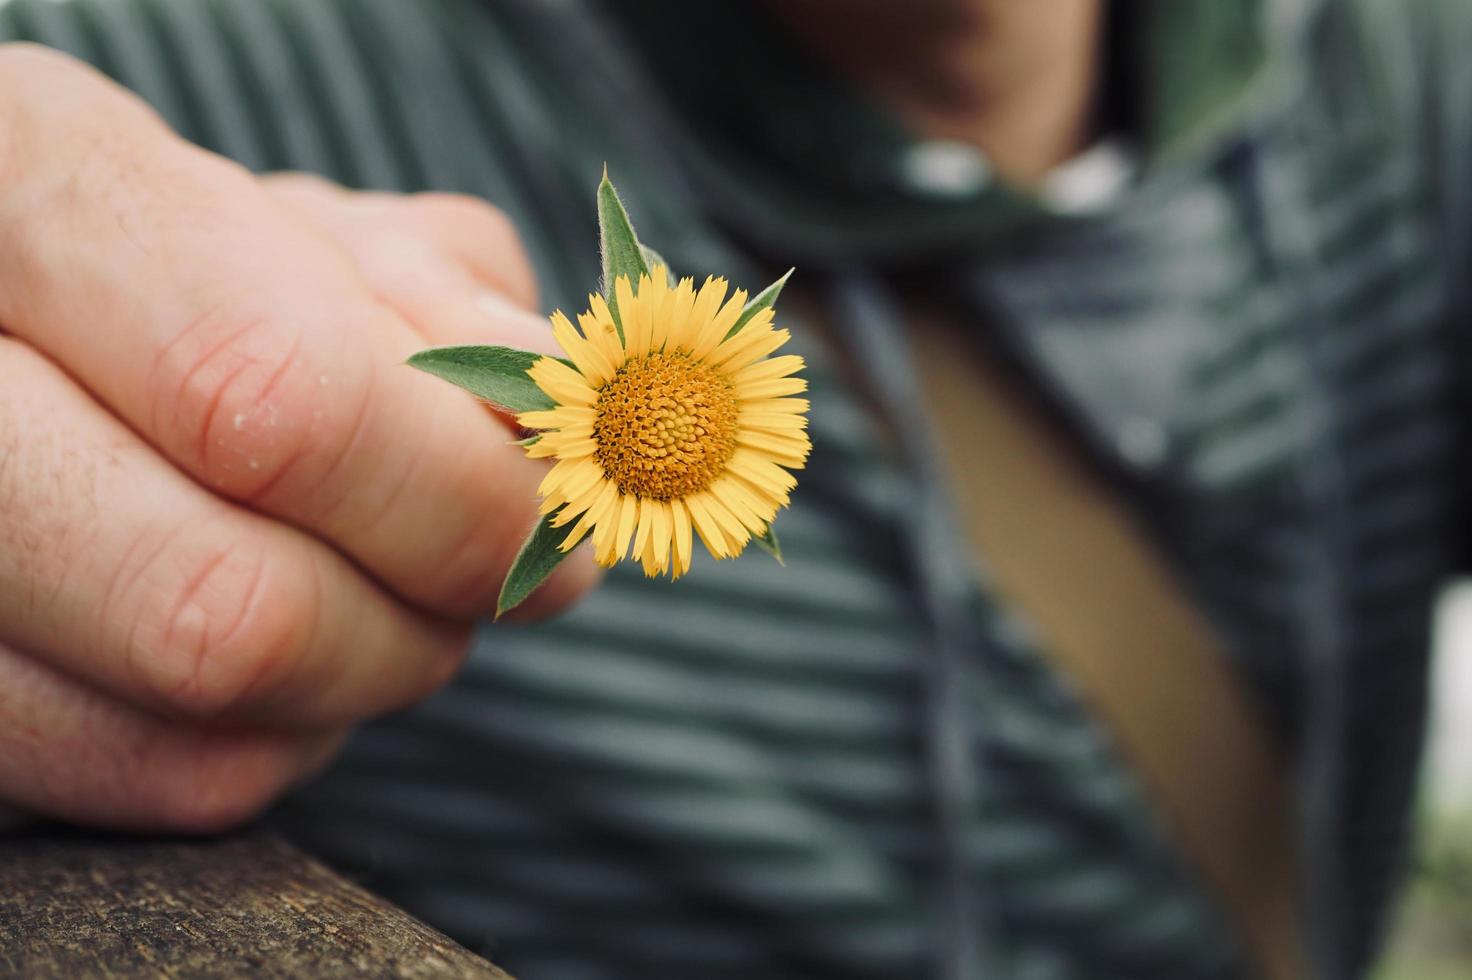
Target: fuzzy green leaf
[(767, 297), (768, 543), (620, 246), (497, 374), (654, 260), (538, 556)]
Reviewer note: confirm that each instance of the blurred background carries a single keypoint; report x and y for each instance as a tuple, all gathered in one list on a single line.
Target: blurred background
[(1432, 935)]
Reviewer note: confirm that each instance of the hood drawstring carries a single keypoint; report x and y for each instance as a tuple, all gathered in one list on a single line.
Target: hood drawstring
[(869, 316)]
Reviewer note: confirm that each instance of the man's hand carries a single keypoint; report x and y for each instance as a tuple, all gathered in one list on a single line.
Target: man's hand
[(231, 523)]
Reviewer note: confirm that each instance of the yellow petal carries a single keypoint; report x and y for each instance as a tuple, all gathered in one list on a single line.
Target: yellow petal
[(636, 318), (589, 359), (561, 383), (772, 388), (794, 405), (772, 421), (736, 533), (627, 517), (580, 503), (681, 535), (646, 524), (646, 559), (747, 348), (714, 331), (761, 471), (789, 450), (623, 291), (607, 331), (660, 303), (736, 500), (773, 367), (605, 532), (769, 499), (570, 477), (592, 517), (679, 335), (557, 418), (541, 449), (707, 527), (573, 537), (707, 302), (565, 446), (660, 534)]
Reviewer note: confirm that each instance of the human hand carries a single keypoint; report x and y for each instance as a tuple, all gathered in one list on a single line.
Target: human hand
[(231, 524)]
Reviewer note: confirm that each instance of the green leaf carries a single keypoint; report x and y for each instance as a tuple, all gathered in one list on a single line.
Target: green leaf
[(654, 260), (768, 543), (539, 554), (531, 440), (759, 302), (620, 247), (497, 374)]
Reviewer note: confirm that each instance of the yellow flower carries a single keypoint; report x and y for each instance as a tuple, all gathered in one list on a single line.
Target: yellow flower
[(674, 428)]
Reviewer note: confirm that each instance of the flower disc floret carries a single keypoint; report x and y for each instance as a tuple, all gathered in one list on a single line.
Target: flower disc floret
[(665, 426), (676, 423)]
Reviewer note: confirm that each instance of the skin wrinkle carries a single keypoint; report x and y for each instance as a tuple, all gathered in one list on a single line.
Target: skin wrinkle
[(131, 648), (249, 688), (193, 677), (155, 370), (262, 398), (356, 429)]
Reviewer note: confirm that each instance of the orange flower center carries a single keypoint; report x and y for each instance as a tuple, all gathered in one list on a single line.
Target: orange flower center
[(665, 426)]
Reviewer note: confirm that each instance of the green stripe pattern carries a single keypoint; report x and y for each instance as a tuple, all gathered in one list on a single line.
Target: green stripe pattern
[(727, 777)]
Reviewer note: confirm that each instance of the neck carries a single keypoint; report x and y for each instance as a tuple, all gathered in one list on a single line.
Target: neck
[(1018, 80)]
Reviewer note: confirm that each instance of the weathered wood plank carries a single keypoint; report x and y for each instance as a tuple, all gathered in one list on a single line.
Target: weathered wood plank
[(74, 906)]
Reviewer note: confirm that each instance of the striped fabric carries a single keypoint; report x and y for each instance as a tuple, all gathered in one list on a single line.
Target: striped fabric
[(747, 774)]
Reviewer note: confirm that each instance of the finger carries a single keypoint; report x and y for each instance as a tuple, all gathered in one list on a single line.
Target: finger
[(451, 264), (248, 351), (70, 752), (411, 252), (121, 571)]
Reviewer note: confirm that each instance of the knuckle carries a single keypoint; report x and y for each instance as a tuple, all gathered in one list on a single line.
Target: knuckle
[(207, 787), (227, 634), (231, 395), (465, 211), (21, 61), (303, 181), (43, 87), (483, 235)]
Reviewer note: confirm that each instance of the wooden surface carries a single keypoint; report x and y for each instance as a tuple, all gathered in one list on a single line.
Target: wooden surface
[(74, 906)]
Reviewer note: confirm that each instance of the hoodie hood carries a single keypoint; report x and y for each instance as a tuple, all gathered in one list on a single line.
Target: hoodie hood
[(794, 159)]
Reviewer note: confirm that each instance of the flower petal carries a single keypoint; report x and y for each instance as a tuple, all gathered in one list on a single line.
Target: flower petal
[(561, 383), (681, 534), (707, 302), (679, 334), (646, 524), (612, 346), (627, 518), (774, 367), (714, 331), (772, 388), (590, 361), (746, 348), (707, 527)]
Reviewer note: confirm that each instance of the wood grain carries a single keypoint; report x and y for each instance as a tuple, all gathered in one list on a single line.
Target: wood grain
[(75, 906)]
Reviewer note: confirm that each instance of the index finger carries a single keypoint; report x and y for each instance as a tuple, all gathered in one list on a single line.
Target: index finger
[(247, 350)]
